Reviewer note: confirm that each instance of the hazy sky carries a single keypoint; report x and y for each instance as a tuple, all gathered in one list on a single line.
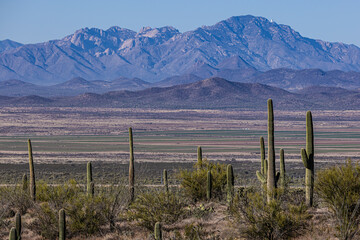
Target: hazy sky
[(32, 21)]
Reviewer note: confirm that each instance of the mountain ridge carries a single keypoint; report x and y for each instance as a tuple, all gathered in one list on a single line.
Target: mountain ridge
[(211, 93), (153, 54)]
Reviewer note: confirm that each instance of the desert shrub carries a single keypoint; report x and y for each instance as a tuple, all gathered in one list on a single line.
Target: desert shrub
[(15, 199), (113, 201), (339, 189), (194, 181), (157, 206), (86, 215), (262, 220), (45, 221), (58, 195)]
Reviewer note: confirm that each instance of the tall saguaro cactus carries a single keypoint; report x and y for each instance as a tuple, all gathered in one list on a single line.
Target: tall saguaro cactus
[(209, 186), (199, 157), (271, 178), (308, 160), (18, 225), (89, 180), (131, 167), (230, 183), (166, 184), (282, 169), (32, 173), (62, 225), (157, 231)]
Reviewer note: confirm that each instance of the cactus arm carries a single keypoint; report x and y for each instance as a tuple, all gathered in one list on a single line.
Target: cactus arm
[(261, 177), (277, 177), (262, 152), (304, 158), (282, 168)]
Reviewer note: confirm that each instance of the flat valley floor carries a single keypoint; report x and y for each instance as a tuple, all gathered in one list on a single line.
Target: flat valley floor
[(64, 139)]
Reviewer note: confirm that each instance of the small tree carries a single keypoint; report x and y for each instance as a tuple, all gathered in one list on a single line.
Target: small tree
[(339, 188)]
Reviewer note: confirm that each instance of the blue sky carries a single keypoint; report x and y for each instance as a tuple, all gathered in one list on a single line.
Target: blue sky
[(32, 21)]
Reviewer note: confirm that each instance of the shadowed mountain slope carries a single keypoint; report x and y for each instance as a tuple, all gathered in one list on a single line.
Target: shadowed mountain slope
[(209, 93)]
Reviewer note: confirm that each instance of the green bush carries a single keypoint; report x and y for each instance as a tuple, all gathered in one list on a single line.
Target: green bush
[(58, 196), (85, 215), (157, 206), (262, 220), (15, 199), (339, 189), (194, 181), (45, 221)]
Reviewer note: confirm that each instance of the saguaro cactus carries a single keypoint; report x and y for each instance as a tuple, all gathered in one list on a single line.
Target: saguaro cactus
[(12, 234), (209, 185), (271, 178), (18, 225), (89, 180), (157, 231), (230, 183), (62, 225), (308, 160), (32, 173), (166, 184), (199, 157), (262, 175), (25, 183), (282, 169), (131, 167)]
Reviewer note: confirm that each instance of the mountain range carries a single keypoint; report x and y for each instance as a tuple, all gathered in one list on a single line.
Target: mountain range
[(238, 48), (288, 79), (209, 93)]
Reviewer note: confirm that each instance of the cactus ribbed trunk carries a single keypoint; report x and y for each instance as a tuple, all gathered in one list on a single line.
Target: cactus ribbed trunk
[(32, 173), (12, 234), (157, 231), (282, 169), (199, 157), (271, 182), (131, 167), (62, 225), (209, 185), (230, 183), (308, 160), (18, 225), (25, 183), (166, 184), (89, 180)]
